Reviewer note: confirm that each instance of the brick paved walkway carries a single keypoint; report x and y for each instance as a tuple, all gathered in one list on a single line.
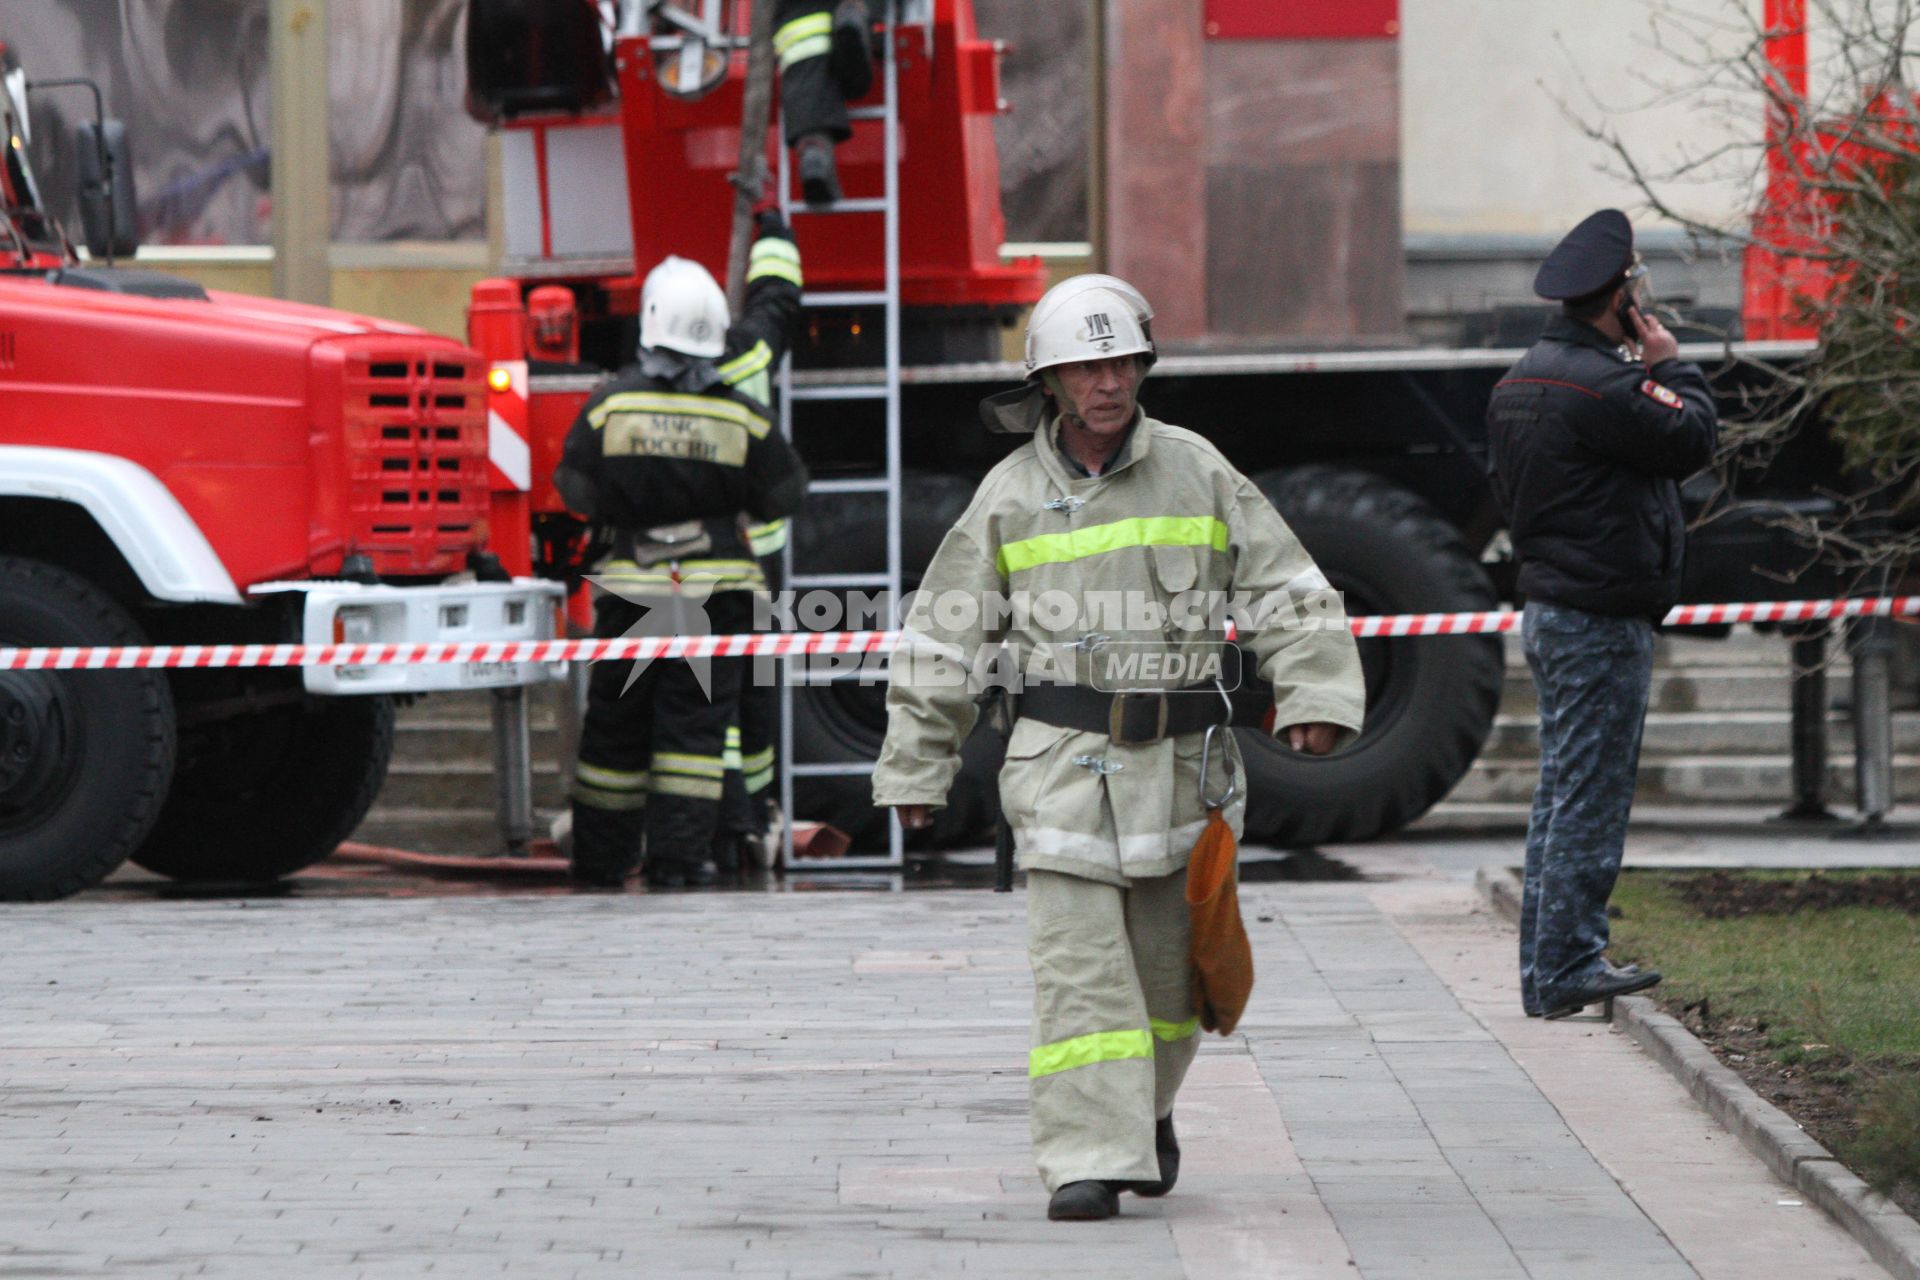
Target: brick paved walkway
[(815, 1085)]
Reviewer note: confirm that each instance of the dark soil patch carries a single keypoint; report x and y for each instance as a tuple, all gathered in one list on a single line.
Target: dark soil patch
[(1822, 1093), (1721, 895)]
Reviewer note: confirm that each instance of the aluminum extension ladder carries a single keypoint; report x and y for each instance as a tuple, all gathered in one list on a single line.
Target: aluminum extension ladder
[(888, 390)]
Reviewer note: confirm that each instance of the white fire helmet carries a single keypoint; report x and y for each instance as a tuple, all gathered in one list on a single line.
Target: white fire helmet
[(683, 309), (1089, 317)]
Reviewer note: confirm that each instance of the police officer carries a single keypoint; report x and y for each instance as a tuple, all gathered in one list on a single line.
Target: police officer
[(1103, 790), (666, 456), (1590, 435), (826, 61)]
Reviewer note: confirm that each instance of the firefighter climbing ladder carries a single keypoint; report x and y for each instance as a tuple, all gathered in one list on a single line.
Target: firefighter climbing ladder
[(888, 390)]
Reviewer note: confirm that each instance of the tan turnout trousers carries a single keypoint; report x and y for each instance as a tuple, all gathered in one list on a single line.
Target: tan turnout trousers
[(1114, 1028)]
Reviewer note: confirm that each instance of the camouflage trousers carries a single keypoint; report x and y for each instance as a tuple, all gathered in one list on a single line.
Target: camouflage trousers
[(1592, 674)]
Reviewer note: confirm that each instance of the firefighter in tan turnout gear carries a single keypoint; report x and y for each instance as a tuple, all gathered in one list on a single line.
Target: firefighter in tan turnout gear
[(1091, 554)]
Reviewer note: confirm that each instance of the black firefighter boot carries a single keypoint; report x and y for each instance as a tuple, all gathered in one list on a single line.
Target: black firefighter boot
[(819, 180), (1088, 1201), (1167, 1147)]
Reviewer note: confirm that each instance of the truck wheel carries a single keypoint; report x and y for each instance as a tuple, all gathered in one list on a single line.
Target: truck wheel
[(269, 792), (85, 757), (846, 721), (1430, 701)]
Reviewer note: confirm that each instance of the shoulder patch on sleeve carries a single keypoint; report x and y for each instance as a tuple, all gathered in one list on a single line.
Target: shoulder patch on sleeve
[(1665, 395)]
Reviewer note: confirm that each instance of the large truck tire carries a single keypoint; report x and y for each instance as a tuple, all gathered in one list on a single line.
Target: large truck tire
[(846, 721), (1430, 701), (85, 756), (265, 794)]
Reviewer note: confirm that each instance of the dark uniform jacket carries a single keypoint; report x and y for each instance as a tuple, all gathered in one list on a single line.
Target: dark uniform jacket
[(1586, 452), (672, 450)]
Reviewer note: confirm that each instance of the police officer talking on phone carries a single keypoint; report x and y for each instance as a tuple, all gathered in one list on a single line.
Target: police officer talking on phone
[(1589, 437)]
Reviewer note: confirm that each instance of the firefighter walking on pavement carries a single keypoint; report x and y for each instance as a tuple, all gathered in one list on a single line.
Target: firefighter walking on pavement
[(1107, 791), (665, 458)]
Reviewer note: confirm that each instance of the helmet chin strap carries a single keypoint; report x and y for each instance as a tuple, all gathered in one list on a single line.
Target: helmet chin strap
[(1069, 412)]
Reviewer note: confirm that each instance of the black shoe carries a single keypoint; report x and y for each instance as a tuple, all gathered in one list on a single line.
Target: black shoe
[(1088, 1201), (1167, 1147), (674, 875), (1601, 989), (819, 180), (851, 61)]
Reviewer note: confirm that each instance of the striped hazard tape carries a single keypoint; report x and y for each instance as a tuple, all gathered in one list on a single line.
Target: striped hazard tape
[(796, 643)]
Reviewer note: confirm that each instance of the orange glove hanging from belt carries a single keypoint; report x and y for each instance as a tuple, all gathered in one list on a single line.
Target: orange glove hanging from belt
[(1222, 956)]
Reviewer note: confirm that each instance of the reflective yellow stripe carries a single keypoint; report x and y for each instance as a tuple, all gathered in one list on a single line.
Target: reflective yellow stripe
[(747, 363), (679, 403), (691, 788), (807, 36), (774, 257), (1171, 1031), (611, 779), (1081, 1051), (717, 573), (801, 50), (818, 23), (774, 247), (759, 760), (730, 756), (759, 780), (1098, 539), (788, 271), (694, 766), (612, 801), (768, 538)]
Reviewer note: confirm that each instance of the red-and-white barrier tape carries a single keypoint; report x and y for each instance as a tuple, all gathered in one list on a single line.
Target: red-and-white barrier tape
[(792, 643)]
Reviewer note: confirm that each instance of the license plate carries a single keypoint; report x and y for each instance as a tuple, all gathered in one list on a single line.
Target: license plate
[(493, 673)]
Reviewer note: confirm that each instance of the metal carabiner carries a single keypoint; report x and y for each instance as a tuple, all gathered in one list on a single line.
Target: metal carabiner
[(1206, 755)]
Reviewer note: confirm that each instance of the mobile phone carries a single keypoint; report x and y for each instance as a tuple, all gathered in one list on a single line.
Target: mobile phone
[(1625, 314)]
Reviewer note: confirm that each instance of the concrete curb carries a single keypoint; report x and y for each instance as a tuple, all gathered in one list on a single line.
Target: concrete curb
[(1881, 1227)]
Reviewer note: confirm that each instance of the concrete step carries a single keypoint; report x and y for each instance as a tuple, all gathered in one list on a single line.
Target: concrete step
[(440, 830), (1720, 779), (462, 784), (1702, 733), (1683, 689)]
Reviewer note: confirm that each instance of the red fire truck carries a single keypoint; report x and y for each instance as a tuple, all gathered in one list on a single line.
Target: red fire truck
[(619, 124), (185, 466)]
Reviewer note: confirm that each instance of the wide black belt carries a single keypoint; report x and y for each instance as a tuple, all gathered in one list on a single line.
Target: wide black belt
[(1130, 719)]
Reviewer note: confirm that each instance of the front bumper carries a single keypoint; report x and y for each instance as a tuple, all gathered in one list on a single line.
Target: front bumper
[(353, 613)]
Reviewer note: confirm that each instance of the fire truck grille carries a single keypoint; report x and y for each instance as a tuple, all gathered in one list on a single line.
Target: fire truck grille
[(416, 433)]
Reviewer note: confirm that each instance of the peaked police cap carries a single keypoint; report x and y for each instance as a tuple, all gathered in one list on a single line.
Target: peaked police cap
[(1594, 255)]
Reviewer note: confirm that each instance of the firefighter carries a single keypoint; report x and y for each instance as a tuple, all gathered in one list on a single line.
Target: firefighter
[(666, 456), (1103, 789), (826, 61)]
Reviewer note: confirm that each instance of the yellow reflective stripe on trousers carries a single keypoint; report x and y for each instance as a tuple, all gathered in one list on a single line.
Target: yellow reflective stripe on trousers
[(730, 755), (611, 779), (681, 763), (767, 539), (1172, 1031), (690, 788), (807, 36), (1082, 1051), (679, 403), (1098, 539)]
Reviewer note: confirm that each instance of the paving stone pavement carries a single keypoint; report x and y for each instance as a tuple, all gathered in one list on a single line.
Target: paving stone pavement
[(813, 1084)]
